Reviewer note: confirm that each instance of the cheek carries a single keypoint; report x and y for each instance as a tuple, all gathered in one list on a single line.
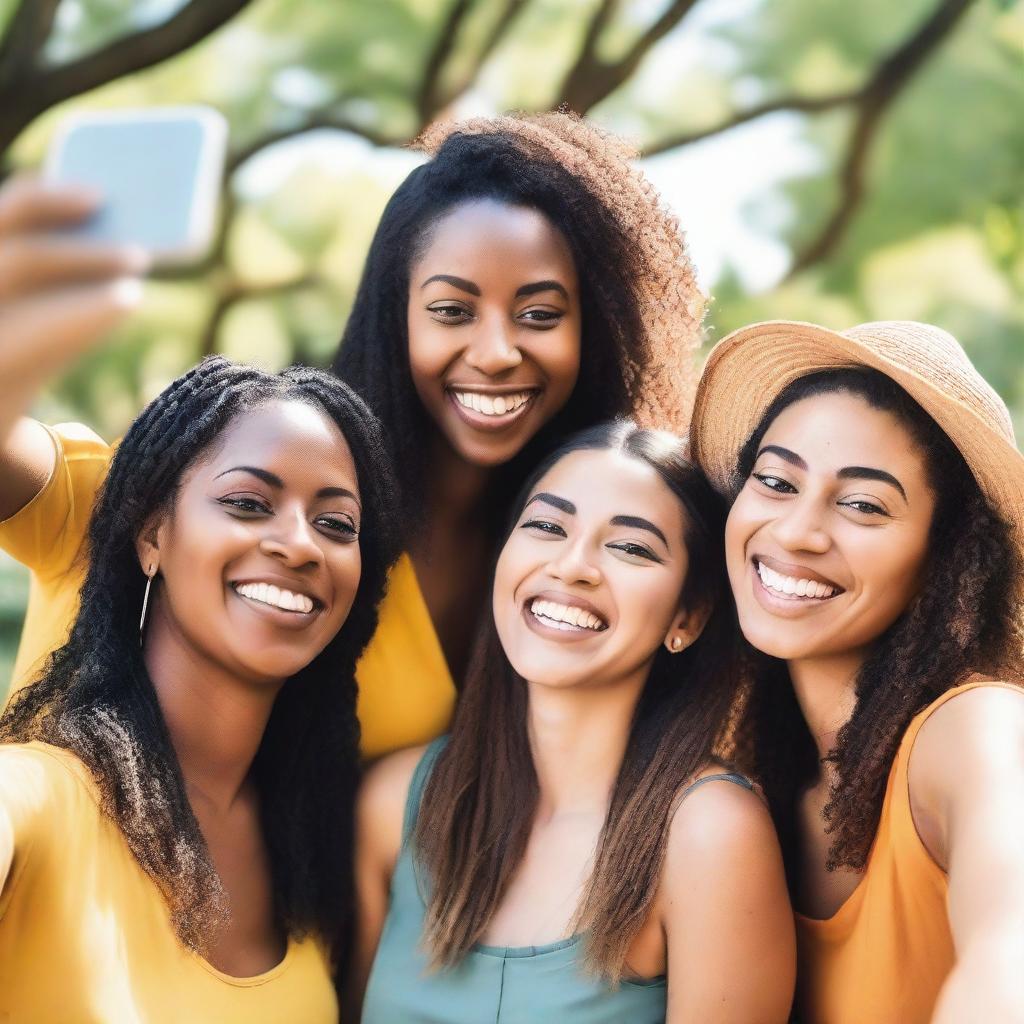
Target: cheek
[(557, 353), (345, 567), (738, 529)]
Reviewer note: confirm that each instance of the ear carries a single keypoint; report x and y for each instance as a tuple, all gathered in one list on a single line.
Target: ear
[(686, 627), (147, 545)]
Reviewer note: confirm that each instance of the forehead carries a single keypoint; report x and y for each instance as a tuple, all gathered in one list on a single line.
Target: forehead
[(602, 484), (487, 231), (294, 438), (831, 431)]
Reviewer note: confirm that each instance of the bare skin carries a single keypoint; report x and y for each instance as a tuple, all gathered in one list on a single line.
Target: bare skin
[(493, 311), (869, 538), (721, 928)]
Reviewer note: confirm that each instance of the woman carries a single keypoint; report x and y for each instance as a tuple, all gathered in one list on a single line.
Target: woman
[(522, 283), (176, 795), (573, 851), (875, 554)]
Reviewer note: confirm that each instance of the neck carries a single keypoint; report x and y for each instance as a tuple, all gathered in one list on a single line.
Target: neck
[(216, 720), (454, 488), (578, 739), (825, 689)]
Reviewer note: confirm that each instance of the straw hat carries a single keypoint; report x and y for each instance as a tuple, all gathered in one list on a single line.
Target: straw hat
[(748, 369)]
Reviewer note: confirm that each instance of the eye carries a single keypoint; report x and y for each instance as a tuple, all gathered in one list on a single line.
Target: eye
[(541, 317), (635, 550), (344, 528), (866, 507), (544, 526), (774, 483), (450, 313), (252, 506)]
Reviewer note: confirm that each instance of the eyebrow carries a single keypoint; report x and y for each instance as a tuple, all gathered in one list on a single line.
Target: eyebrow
[(552, 499), (639, 524), (273, 480), (846, 473), (542, 286), (458, 282)]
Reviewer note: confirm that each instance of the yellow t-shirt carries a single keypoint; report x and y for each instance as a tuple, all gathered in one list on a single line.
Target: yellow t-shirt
[(406, 693), (85, 937)]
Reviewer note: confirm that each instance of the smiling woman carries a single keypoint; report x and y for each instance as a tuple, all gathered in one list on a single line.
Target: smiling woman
[(573, 851), (876, 555), (176, 795)]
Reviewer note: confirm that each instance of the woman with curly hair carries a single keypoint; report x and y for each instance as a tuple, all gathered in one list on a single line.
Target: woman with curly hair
[(524, 282), (176, 793), (876, 555), (574, 851)]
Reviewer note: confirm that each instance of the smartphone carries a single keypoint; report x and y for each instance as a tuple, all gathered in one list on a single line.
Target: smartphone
[(158, 171)]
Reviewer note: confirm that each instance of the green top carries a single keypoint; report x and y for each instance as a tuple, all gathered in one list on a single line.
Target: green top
[(493, 984)]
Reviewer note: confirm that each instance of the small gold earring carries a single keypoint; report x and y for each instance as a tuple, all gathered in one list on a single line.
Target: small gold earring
[(677, 644)]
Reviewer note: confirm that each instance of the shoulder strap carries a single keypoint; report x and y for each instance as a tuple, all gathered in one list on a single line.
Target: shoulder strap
[(733, 777), (418, 784)]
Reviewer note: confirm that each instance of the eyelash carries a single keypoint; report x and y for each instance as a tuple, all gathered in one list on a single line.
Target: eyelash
[(627, 547), (864, 507), (538, 318), (343, 528)]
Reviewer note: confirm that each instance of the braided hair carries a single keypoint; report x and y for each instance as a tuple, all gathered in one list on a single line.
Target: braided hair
[(640, 302), (95, 699)]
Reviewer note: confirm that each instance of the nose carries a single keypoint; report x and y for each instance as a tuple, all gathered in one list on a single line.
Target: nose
[(800, 526), (291, 540), (575, 564), (492, 349)]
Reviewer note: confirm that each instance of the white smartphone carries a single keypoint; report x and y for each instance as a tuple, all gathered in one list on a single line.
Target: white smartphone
[(158, 171)]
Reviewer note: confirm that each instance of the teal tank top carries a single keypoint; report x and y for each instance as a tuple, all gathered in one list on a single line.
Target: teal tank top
[(493, 984)]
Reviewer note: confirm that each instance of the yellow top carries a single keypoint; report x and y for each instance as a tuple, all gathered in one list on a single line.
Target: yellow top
[(406, 693), (85, 937), (884, 954)]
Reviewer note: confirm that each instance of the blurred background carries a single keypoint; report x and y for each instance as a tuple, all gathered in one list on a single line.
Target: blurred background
[(828, 160)]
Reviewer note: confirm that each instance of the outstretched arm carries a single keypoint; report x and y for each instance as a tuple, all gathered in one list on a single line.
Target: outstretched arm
[(58, 297), (726, 912), (967, 792)]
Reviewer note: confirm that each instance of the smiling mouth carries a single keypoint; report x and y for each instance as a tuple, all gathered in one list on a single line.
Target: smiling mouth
[(277, 597), (492, 410), (566, 618), (795, 588)]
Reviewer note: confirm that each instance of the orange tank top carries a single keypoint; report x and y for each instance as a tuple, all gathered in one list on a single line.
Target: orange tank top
[(884, 954)]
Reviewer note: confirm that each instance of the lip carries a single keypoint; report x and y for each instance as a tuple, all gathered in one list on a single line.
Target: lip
[(479, 421), (279, 616), (800, 572), (574, 635), (786, 607)]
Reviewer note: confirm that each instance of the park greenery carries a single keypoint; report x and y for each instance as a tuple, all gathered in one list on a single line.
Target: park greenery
[(910, 208)]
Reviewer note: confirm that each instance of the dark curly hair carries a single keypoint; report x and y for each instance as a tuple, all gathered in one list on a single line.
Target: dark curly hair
[(641, 307), (964, 621), (95, 699)]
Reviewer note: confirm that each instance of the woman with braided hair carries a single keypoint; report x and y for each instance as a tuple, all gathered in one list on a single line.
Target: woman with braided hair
[(176, 796), (523, 283)]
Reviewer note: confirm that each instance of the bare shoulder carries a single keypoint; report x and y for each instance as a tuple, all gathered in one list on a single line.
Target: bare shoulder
[(720, 825), (382, 798)]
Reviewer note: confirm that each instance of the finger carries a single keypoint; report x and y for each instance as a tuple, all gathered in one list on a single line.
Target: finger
[(28, 204), (40, 335), (31, 262)]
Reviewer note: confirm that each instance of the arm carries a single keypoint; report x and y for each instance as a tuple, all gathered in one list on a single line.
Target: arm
[(380, 810), (968, 811), (58, 297), (726, 914)]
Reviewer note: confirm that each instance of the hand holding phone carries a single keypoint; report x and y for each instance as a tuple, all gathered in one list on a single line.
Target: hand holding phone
[(158, 172)]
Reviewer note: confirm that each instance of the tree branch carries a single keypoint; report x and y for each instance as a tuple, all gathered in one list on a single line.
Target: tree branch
[(884, 88), (40, 88), (428, 96), (26, 33), (592, 79)]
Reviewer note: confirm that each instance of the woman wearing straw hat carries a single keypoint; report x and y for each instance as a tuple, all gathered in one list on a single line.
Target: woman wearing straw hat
[(875, 552)]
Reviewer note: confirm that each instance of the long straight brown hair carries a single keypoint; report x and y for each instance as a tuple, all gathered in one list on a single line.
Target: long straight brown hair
[(479, 803)]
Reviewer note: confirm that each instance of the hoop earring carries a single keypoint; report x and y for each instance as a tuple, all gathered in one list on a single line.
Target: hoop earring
[(145, 600)]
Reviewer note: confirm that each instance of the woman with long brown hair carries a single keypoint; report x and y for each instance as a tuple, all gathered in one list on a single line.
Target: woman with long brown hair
[(876, 555), (573, 851)]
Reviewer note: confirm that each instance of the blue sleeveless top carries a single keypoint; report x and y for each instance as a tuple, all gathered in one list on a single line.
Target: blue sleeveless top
[(492, 984)]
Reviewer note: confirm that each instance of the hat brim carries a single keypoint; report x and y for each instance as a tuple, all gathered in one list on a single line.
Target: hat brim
[(748, 369)]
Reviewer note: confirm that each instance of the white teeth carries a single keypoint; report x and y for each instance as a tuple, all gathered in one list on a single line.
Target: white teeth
[(267, 593), (791, 586), (492, 405), (564, 616)]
